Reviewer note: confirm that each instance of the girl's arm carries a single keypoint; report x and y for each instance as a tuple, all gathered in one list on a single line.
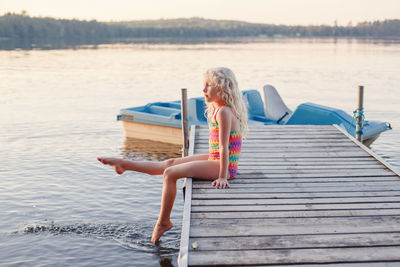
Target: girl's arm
[(224, 119)]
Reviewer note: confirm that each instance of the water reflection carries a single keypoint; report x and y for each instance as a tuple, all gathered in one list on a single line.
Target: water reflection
[(134, 148), (28, 44)]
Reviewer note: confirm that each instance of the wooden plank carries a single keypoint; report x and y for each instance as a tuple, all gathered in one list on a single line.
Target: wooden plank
[(320, 161), (187, 210), (295, 149), (302, 134), (306, 154), (282, 182), (287, 145), (295, 201), (297, 241), (255, 208), (295, 214), (288, 137), (288, 170), (267, 174), (361, 179), (293, 226), (281, 128), (311, 167), (272, 190), (317, 179), (290, 195), (281, 163), (289, 256), (304, 186), (284, 141)]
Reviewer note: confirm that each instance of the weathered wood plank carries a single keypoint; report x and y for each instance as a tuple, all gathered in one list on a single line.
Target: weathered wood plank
[(348, 179), (282, 149), (295, 149), (289, 256), (313, 180), (284, 141), (290, 195), (305, 154), (297, 241), (272, 190), (276, 147), (265, 174), (304, 185), (294, 207), (295, 214), (293, 226), (341, 160), (296, 201), (279, 164), (271, 137), (313, 167), (298, 171), (279, 128)]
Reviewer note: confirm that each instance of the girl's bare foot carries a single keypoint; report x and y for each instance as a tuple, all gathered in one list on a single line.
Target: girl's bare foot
[(159, 230), (116, 163)]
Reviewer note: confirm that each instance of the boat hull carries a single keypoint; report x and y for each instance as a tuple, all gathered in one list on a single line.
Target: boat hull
[(152, 132)]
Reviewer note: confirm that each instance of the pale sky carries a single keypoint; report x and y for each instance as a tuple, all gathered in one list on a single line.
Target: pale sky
[(290, 12)]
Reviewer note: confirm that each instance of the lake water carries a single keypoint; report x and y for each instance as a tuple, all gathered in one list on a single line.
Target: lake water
[(60, 207)]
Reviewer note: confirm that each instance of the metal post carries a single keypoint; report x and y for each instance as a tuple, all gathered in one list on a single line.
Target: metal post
[(360, 110)]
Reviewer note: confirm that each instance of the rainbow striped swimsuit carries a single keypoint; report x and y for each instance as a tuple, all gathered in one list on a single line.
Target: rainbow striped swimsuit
[(235, 146)]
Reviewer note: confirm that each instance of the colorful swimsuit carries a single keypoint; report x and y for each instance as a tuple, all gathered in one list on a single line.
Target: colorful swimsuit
[(235, 146)]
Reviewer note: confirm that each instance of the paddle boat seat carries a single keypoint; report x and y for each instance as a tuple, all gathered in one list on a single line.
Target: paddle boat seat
[(274, 107), (255, 107)]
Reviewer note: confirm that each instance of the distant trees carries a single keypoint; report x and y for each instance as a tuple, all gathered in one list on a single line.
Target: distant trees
[(21, 30)]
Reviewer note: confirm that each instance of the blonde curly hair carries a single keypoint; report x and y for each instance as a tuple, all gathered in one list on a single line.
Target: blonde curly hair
[(225, 81)]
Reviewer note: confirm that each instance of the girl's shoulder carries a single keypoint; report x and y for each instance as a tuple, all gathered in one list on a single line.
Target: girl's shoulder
[(224, 112)]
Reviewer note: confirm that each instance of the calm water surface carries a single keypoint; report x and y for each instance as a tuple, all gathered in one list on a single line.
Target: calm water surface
[(60, 207)]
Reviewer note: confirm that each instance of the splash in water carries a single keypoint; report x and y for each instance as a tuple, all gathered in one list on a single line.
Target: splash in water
[(127, 235)]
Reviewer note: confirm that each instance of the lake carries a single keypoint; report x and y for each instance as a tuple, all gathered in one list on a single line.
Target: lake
[(60, 207)]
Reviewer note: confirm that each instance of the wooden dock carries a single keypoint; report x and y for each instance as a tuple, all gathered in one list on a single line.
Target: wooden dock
[(304, 196)]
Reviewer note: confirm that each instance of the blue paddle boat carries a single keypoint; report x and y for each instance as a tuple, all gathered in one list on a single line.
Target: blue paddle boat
[(161, 121)]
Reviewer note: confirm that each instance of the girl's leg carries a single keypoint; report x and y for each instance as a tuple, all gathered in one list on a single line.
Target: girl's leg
[(149, 167), (202, 169)]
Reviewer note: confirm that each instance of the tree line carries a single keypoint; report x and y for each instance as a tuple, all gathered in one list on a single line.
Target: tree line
[(28, 31)]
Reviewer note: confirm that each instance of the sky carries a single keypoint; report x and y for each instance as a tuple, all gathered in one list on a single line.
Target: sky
[(289, 12)]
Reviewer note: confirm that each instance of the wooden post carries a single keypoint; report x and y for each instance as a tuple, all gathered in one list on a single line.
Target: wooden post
[(185, 123), (360, 110), (185, 130)]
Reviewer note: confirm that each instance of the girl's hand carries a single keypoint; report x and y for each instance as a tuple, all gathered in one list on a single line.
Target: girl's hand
[(221, 183)]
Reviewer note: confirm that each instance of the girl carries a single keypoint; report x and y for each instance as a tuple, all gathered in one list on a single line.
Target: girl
[(227, 116)]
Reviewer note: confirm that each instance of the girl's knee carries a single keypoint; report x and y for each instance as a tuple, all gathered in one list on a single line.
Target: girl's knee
[(168, 163), (171, 174), (168, 174)]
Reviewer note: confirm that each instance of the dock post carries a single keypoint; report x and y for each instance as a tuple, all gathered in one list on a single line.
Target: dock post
[(185, 130), (359, 114), (185, 123)]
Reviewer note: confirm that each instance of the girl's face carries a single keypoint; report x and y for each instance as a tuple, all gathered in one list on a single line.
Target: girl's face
[(211, 93)]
